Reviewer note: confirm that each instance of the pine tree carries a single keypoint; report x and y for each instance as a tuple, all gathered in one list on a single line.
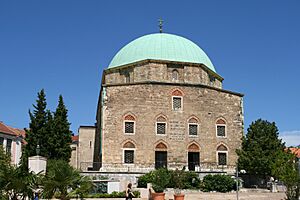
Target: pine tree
[(62, 136), (36, 134), (260, 148)]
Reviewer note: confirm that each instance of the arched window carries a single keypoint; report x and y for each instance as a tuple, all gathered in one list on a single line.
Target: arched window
[(177, 100), (128, 152), (129, 124), (175, 75), (222, 154), (161, 125), (221, 128), (193, 126)]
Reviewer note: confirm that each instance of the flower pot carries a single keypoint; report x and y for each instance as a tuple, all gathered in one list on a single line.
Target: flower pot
[(178, 196), (158, 196)]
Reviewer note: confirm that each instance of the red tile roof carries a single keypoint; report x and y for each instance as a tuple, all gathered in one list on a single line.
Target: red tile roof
[(75, 138), (11, 131), (295, 151)]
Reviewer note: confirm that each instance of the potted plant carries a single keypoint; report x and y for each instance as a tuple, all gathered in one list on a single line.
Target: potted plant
[(178, 177), (161, 178)]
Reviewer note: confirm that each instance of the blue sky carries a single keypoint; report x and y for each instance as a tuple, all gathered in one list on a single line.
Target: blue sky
[(63, 46)]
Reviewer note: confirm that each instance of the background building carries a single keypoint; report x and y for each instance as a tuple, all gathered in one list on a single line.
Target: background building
[(12, 139)]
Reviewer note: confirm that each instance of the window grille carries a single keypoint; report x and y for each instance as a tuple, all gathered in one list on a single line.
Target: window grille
[(176, 103), (129, 127), (160, 128), (129, 156), (221, 131), (193, 129), (222, 158)]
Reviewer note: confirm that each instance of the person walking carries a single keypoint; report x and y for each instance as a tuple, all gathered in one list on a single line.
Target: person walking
[(129, 193)]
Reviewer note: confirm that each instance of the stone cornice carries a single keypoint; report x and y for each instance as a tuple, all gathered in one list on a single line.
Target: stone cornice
[(175, 84)]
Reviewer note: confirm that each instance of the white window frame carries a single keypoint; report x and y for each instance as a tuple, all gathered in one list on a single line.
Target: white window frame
[(217, 131), (165, 128), (181, 98), (189, 129), (123, 156), (217, 157), (133, 127)]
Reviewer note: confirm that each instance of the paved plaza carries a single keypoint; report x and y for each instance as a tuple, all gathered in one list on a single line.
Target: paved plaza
[(232, 196)]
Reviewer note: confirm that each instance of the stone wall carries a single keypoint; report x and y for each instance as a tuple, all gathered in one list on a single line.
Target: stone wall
[(74, 155), (148, 101), (86, 145), (162, 72)]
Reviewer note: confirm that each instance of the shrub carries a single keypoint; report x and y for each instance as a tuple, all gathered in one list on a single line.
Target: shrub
[(178, 179), (146, 178), (161, 179), (219, 183), (191, 180)]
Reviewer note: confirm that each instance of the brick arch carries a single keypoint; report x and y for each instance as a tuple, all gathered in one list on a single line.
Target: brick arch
[(161, 118), (128, 145), (193, 119), (129, 116), (222, 147), (193, 147), (221, 121), (177, 92), (161, 146)]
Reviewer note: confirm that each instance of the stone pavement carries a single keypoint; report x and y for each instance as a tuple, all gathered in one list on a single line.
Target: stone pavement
[(229, 196), (232, 196)]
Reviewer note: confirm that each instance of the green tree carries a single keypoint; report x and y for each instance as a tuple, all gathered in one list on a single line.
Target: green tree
[(259, 148), (15, 183), (64, 181), (61, 135), (286, 169), (4, 168), (37, 133)]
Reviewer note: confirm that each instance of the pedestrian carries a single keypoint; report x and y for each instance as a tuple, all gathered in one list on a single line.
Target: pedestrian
[(129, 193), (36, 196)]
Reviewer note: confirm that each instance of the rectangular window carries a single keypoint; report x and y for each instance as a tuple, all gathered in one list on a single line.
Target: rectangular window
[(129, 127), (129, 156), (222, 158), (220, 131), (161, 128), (8, 146), (193, 129), (1, 140), (177, 103)]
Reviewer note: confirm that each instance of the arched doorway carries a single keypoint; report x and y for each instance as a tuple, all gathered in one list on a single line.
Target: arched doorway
[(161, 156), (193, 156)]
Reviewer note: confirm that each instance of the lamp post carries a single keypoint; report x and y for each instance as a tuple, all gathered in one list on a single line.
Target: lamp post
[(237, 182)]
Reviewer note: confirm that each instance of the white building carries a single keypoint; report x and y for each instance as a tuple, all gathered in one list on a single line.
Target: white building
[(12, 139)]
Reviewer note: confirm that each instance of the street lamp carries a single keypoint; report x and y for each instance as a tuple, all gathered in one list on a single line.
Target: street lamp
[(237, 182)]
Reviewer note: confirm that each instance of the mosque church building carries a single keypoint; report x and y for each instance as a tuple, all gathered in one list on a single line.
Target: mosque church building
[(162, 104)]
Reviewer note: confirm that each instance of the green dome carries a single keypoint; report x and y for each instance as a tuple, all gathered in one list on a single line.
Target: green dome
[(161, 46)]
